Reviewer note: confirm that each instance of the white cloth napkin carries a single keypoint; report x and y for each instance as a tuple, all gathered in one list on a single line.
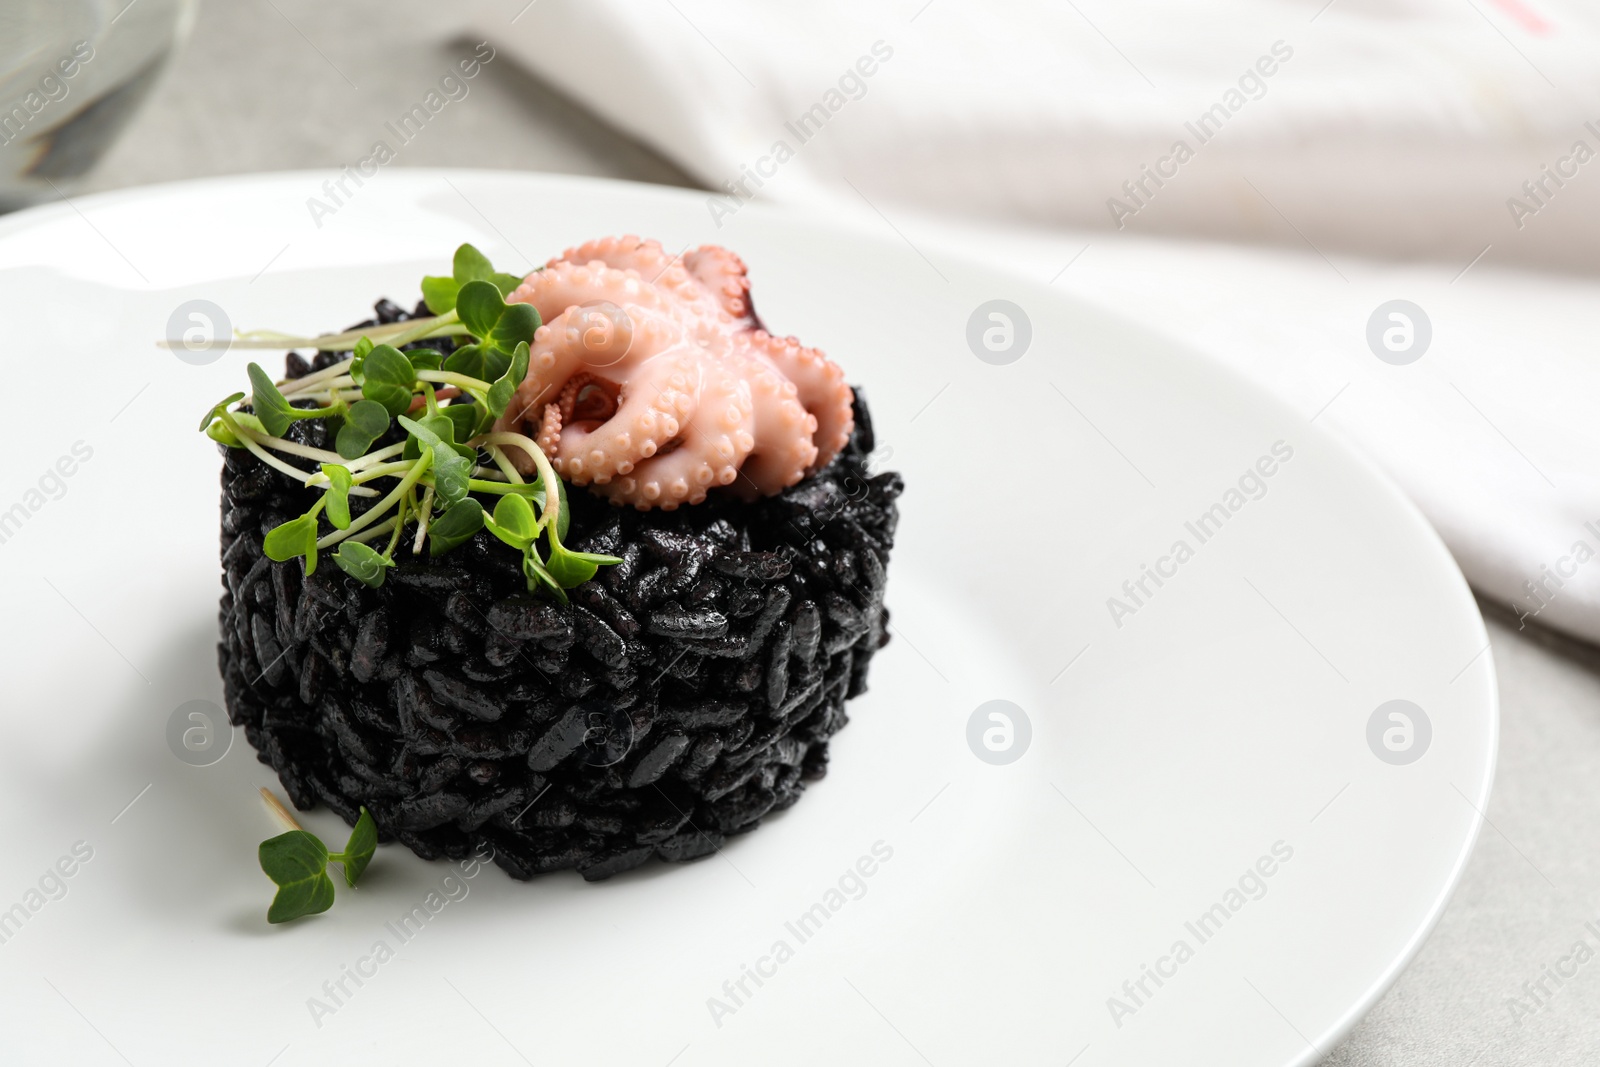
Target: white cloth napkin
[(1342, 131)]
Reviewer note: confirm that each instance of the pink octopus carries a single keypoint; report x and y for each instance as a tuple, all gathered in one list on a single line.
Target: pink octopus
[(653, 382)]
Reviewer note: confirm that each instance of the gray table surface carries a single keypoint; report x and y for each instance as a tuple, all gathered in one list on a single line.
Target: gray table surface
[(267, 85)]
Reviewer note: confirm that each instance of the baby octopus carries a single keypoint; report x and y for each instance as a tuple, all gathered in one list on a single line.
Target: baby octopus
[(652, 380)]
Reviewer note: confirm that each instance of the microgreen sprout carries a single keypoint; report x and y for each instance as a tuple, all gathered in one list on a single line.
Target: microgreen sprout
[(470, 265), (450, 456), (297, 863)]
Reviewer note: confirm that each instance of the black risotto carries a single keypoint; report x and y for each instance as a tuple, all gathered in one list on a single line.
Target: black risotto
[(682, 695)]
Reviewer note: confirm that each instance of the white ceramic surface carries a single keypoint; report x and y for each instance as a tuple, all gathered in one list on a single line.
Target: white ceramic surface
[(1173, 749)]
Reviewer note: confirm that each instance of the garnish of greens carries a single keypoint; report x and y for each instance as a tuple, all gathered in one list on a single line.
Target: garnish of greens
[(452, 461), (297, 863)]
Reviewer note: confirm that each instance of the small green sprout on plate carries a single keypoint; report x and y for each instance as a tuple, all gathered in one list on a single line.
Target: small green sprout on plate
[(297, 863)]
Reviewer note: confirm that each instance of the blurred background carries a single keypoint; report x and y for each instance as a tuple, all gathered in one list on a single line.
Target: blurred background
[(1265, 181)]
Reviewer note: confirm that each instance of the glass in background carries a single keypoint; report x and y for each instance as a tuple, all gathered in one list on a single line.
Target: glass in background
[(72, 73)]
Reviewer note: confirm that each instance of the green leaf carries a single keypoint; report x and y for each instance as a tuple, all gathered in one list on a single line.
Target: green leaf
[(568, 571), (390, 379), (567, 568), (563, 516), (439, 293), (359, 849), (505, 387), (297, 537), (431, 430), (362, 562), (297, 863), (495, 363), (218, 431), (358, 359), (269, 405), (572, 569), (247, 421), (425, 358), (514, 522), (484, 362), (479, 306), (364, 423), (515, 326), (471, 360), (338, 494), (471, 265), (506, 283), (451, 473), (500, 394), (455, 526), (463, 418), (443, 427), (216, 412), (538, 577), (468, 265), (451, 470), (518, 370)]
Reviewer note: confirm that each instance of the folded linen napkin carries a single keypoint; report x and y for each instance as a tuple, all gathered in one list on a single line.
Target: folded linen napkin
[(1346, 130)]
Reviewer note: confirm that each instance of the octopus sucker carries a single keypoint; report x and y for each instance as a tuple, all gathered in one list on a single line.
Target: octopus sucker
[(653, 381)]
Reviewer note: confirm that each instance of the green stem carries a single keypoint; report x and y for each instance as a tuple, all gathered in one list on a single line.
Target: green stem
[(325, 412), (295, 387), (424, 518), (289, 386), (373, 458), (506, 466), (372, 533), (378, 510), (249, 441), (446, 325), (333, 397), (382, 470), (478, 485), (395, 333), (547, 474), (399, 527), (464, 382), (312, 479)]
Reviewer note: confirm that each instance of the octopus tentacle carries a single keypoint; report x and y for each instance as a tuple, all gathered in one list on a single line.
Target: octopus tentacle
[(588, 345), (714, 442), (629, 252), (652, 407), (563, 410), (589, 339), (820, 386), (653, 266), (783, 430), (722, 274), (549, 437), (556, 288)]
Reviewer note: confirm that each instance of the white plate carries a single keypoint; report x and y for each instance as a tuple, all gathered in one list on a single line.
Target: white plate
[(1225, 720)]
